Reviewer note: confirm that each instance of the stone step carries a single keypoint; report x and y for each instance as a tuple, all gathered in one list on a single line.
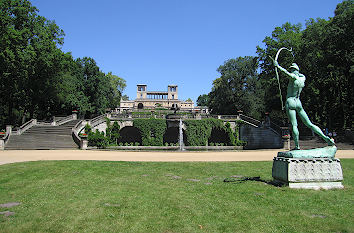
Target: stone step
[(44, 137)]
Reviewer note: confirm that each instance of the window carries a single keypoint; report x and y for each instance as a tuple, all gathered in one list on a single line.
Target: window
[(173, 97)]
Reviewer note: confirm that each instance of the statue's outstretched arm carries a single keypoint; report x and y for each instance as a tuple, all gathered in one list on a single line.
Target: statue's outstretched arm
[(290, 75)]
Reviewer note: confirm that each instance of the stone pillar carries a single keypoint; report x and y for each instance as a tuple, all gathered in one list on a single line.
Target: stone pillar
[(54, 122), (9, 129), (83, 144)]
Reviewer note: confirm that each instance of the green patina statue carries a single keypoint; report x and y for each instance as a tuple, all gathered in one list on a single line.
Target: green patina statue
[(293, 104)]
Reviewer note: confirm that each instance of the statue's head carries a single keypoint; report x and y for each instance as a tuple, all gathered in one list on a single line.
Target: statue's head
[(294, 66)]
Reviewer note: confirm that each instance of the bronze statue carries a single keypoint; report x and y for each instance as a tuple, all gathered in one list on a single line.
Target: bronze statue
[(293, 104)]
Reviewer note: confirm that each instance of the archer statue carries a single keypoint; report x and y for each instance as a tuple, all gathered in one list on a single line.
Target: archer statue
[(293, 104)]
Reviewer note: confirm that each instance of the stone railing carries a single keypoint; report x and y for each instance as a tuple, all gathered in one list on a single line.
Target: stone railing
[(75, 131), (229, 117), (65, 119), (249, 120), (58, 121), (24, 127), (276, 128), (97, 120)]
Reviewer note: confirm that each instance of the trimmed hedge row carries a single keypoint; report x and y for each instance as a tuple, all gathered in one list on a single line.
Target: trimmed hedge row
[(198, 132)]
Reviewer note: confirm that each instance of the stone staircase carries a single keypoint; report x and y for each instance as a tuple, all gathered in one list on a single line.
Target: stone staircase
[(44, 137)]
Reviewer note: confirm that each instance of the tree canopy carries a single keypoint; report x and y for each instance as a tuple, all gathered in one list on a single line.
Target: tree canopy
[(39, 80), (324, 51), (236, 88)]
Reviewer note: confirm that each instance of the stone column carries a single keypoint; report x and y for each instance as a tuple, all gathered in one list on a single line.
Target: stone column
[(9, 129), (54, 122), (83, 144)]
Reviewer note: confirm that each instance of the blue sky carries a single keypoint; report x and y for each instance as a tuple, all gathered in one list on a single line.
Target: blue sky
[(162, 42)]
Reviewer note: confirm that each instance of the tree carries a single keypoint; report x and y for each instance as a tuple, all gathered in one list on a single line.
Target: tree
[(324, 53), (237, 83), (125, 97), (28, 60), (203, 100), (38, 80), (288, 36), (118, 85)]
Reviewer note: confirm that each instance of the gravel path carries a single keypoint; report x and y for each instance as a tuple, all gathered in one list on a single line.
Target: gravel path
[(13, 156)]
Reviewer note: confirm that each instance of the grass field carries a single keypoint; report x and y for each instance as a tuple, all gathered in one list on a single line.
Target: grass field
[(90, 196)]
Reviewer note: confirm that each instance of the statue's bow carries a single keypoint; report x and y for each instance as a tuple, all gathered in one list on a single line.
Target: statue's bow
[(276, 72)]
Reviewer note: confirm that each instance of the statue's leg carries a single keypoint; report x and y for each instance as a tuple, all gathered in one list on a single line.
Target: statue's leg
[(292, 117), (313, 127)]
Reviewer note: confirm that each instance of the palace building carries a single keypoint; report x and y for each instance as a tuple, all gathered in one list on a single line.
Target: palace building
[(156, 100)]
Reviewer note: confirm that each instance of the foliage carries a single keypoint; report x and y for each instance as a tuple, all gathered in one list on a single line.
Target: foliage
[(151, 130), (37, 79), (88, 129), (238, 88), (125, 97), (203, 100), (98, 139), (231, 134), (198, 132), (115, 132), (324, 51)]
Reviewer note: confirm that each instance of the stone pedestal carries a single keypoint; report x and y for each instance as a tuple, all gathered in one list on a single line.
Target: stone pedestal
[(315, 173)]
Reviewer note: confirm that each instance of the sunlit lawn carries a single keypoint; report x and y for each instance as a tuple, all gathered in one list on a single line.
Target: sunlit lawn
[(90, 196)]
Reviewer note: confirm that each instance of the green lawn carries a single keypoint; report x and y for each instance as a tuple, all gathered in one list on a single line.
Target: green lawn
[(90, 196)]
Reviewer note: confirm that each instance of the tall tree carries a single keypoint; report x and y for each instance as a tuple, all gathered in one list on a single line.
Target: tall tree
[(203, 100), (237, 83), (118, 85), (38, 80), (324, 52), (288, 35), (26, 66)]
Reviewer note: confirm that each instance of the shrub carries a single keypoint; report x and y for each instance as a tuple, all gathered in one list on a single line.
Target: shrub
[(151, 130), (115, 132), (98, 139), (88, 129)]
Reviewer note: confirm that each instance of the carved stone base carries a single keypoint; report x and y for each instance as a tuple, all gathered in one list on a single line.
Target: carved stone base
[(316, 173)]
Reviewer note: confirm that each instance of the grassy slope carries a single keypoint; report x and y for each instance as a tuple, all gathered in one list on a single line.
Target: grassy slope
[(86, 196)]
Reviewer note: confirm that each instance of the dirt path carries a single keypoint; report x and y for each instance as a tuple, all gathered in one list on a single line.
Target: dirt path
[(12, 156)]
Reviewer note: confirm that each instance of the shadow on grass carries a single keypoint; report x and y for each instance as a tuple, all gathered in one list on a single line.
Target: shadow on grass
[(243, 179)]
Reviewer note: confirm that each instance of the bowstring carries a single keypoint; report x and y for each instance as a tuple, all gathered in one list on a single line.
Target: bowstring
[(276, 72)]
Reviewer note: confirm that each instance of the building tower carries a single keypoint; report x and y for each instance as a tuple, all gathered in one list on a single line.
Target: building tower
[(141, 91), (173, 92)]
